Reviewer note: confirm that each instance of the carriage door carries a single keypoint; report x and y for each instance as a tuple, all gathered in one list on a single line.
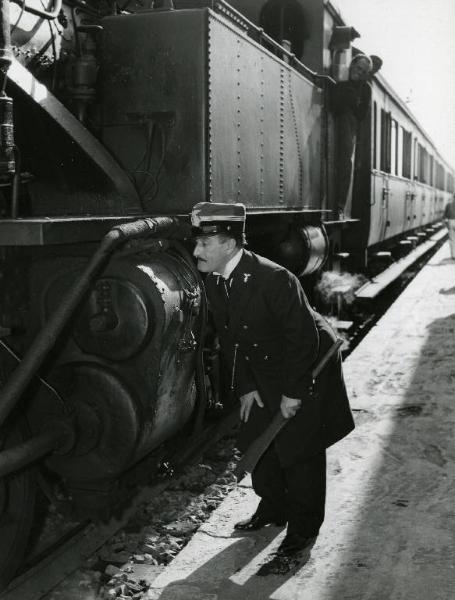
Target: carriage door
[(409, 205), (384, 192), (385, 207)]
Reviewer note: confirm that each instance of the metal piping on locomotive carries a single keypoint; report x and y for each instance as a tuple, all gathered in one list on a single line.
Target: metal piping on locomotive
[(7, 164), (47, 337)]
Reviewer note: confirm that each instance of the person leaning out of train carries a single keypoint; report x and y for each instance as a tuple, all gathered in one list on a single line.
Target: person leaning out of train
[(449, 220), (350, 101)]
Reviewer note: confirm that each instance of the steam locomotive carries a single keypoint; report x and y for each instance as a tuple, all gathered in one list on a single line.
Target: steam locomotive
[(116, 117)]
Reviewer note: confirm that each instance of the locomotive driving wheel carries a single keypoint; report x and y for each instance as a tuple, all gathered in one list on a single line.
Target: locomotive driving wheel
[(17, 501)]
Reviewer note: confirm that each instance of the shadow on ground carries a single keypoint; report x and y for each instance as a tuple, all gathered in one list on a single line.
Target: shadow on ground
[(403, 545), (447, 291), (231, 573)]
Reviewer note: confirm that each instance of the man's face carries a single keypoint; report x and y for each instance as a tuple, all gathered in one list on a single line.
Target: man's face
[(213, 252), (360, 70)]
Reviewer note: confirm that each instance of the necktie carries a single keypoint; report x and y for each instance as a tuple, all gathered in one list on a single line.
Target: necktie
[(226, 287)]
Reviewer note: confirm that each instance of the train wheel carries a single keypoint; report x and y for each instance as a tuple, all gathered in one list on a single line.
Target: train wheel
[(17, 502)]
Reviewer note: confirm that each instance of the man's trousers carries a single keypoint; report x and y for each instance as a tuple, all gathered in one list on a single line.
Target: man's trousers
[(295, 493)]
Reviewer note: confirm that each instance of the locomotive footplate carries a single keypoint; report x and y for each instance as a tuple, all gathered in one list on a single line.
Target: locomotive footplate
[(42, 231)]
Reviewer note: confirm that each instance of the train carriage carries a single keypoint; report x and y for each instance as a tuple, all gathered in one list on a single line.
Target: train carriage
[(403, 183)]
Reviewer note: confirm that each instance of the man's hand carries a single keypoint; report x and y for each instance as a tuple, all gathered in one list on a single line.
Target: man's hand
[(246, 403), (289, 406)]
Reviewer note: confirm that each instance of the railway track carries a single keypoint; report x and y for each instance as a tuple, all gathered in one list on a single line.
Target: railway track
[(368, 309)]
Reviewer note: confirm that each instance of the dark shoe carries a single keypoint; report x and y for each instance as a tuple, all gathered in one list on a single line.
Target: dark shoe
[(258, 522), (281, 564)]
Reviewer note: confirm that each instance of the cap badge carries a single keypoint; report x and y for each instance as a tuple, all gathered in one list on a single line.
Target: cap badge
[(195, 217)]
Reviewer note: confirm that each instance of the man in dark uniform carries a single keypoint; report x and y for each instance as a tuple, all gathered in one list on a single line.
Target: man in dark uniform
[(270, 339)]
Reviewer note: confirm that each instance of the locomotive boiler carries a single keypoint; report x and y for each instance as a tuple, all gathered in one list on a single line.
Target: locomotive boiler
[(115, 119)]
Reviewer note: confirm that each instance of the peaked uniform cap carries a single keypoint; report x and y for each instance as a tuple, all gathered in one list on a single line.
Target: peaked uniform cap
[(210, 218)]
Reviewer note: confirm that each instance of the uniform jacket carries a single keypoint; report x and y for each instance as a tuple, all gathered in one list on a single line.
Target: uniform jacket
[(270, 339)]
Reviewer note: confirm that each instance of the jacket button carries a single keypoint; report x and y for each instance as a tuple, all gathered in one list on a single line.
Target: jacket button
[(245, 327), (255, 345), (247, 358), (266, 357)]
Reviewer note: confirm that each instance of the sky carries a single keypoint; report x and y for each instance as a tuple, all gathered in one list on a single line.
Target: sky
[(416, 41)]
